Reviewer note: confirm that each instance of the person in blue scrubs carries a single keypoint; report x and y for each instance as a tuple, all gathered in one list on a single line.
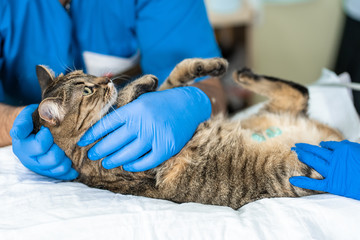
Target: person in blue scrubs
[(165, 32)]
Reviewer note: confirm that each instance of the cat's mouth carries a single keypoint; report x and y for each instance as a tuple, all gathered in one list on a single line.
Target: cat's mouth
[(110, 97)]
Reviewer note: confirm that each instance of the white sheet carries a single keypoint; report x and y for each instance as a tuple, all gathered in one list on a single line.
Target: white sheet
[(36, 207)]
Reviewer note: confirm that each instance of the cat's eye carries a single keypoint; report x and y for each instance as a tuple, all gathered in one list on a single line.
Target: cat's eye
[(88, 91)]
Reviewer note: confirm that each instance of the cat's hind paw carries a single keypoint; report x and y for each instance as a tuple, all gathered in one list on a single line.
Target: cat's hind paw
[(245, 76)]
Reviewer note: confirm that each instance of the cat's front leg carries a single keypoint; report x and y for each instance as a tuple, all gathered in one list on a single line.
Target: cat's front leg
[(144, 84), (192, 68)]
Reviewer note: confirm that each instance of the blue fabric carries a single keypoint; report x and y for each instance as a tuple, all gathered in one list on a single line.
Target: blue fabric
[(105, 27), (33, 32), (157, 28), (169, 31), (2, 93), (42, 32)]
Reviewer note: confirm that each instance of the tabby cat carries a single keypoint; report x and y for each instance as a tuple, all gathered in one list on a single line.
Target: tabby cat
[(229, 163)]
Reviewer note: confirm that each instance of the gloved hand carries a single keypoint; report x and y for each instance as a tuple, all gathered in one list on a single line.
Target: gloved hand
[(149, 130), (38, 152), (337, 162)]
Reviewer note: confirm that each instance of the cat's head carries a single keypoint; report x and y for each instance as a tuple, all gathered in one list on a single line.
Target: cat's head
[(75, 100)]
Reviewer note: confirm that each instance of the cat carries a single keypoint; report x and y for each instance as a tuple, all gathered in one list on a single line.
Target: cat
[(227, 162)]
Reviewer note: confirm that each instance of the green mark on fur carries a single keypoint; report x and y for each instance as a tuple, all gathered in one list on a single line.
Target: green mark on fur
[(273, 132), (258, 137)]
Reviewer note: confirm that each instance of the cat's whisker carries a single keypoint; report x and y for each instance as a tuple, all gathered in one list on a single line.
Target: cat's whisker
[(112, 107), (74, 68), (122, 76), (69, 69), (64, 66), (113, 117), (103, 124)]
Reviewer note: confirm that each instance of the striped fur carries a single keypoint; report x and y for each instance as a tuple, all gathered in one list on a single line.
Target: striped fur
[(222, 164)]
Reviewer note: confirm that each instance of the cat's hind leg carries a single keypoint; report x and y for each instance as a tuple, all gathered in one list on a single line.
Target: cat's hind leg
[(144, 84), (192, 68), (284, 96)]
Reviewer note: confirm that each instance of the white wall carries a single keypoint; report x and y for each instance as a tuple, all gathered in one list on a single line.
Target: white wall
[(295, 41)]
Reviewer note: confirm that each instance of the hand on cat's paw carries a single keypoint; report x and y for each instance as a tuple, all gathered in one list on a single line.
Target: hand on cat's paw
[(38, 152), (151, 129), (337, 162)]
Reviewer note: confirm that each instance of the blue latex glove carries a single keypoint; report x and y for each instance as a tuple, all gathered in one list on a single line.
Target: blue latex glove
[(38, 152), (337, 162), (149, 130)]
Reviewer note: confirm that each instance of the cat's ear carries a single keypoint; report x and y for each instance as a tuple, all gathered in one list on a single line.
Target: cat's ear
[(52, 111), (45, 76)]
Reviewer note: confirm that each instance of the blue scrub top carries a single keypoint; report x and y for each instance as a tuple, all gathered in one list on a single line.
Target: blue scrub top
[(42, 32)]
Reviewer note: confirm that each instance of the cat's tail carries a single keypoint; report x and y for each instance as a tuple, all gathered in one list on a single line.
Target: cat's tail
[(284, 96)]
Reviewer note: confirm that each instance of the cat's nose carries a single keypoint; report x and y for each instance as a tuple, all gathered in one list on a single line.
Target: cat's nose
[(102, 80)]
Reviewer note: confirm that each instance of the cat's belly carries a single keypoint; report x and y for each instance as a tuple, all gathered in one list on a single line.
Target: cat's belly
[(272, 130), (224, 158)]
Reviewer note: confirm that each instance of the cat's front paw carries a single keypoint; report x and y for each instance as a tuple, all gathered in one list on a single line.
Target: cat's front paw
[(147, 83), (203, 67), (144, 84), (192, 68)]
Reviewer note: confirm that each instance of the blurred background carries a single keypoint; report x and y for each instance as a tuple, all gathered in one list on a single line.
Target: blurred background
[(289, 39)]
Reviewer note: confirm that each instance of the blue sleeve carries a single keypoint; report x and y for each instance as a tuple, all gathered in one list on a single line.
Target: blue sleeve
[(2, 97), (3, 13), (170, 31), (2, 94), (33, 32)]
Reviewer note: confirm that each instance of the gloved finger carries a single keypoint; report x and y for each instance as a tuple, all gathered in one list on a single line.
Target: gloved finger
[(316, 150), (111, 143), (23, 124), (315, 162), (127, 154), (51, 159), (27, 161), (331, 145), (70, 175), (63, 168), (107, 124), (308, 183), (38, 144), (150, 160)]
